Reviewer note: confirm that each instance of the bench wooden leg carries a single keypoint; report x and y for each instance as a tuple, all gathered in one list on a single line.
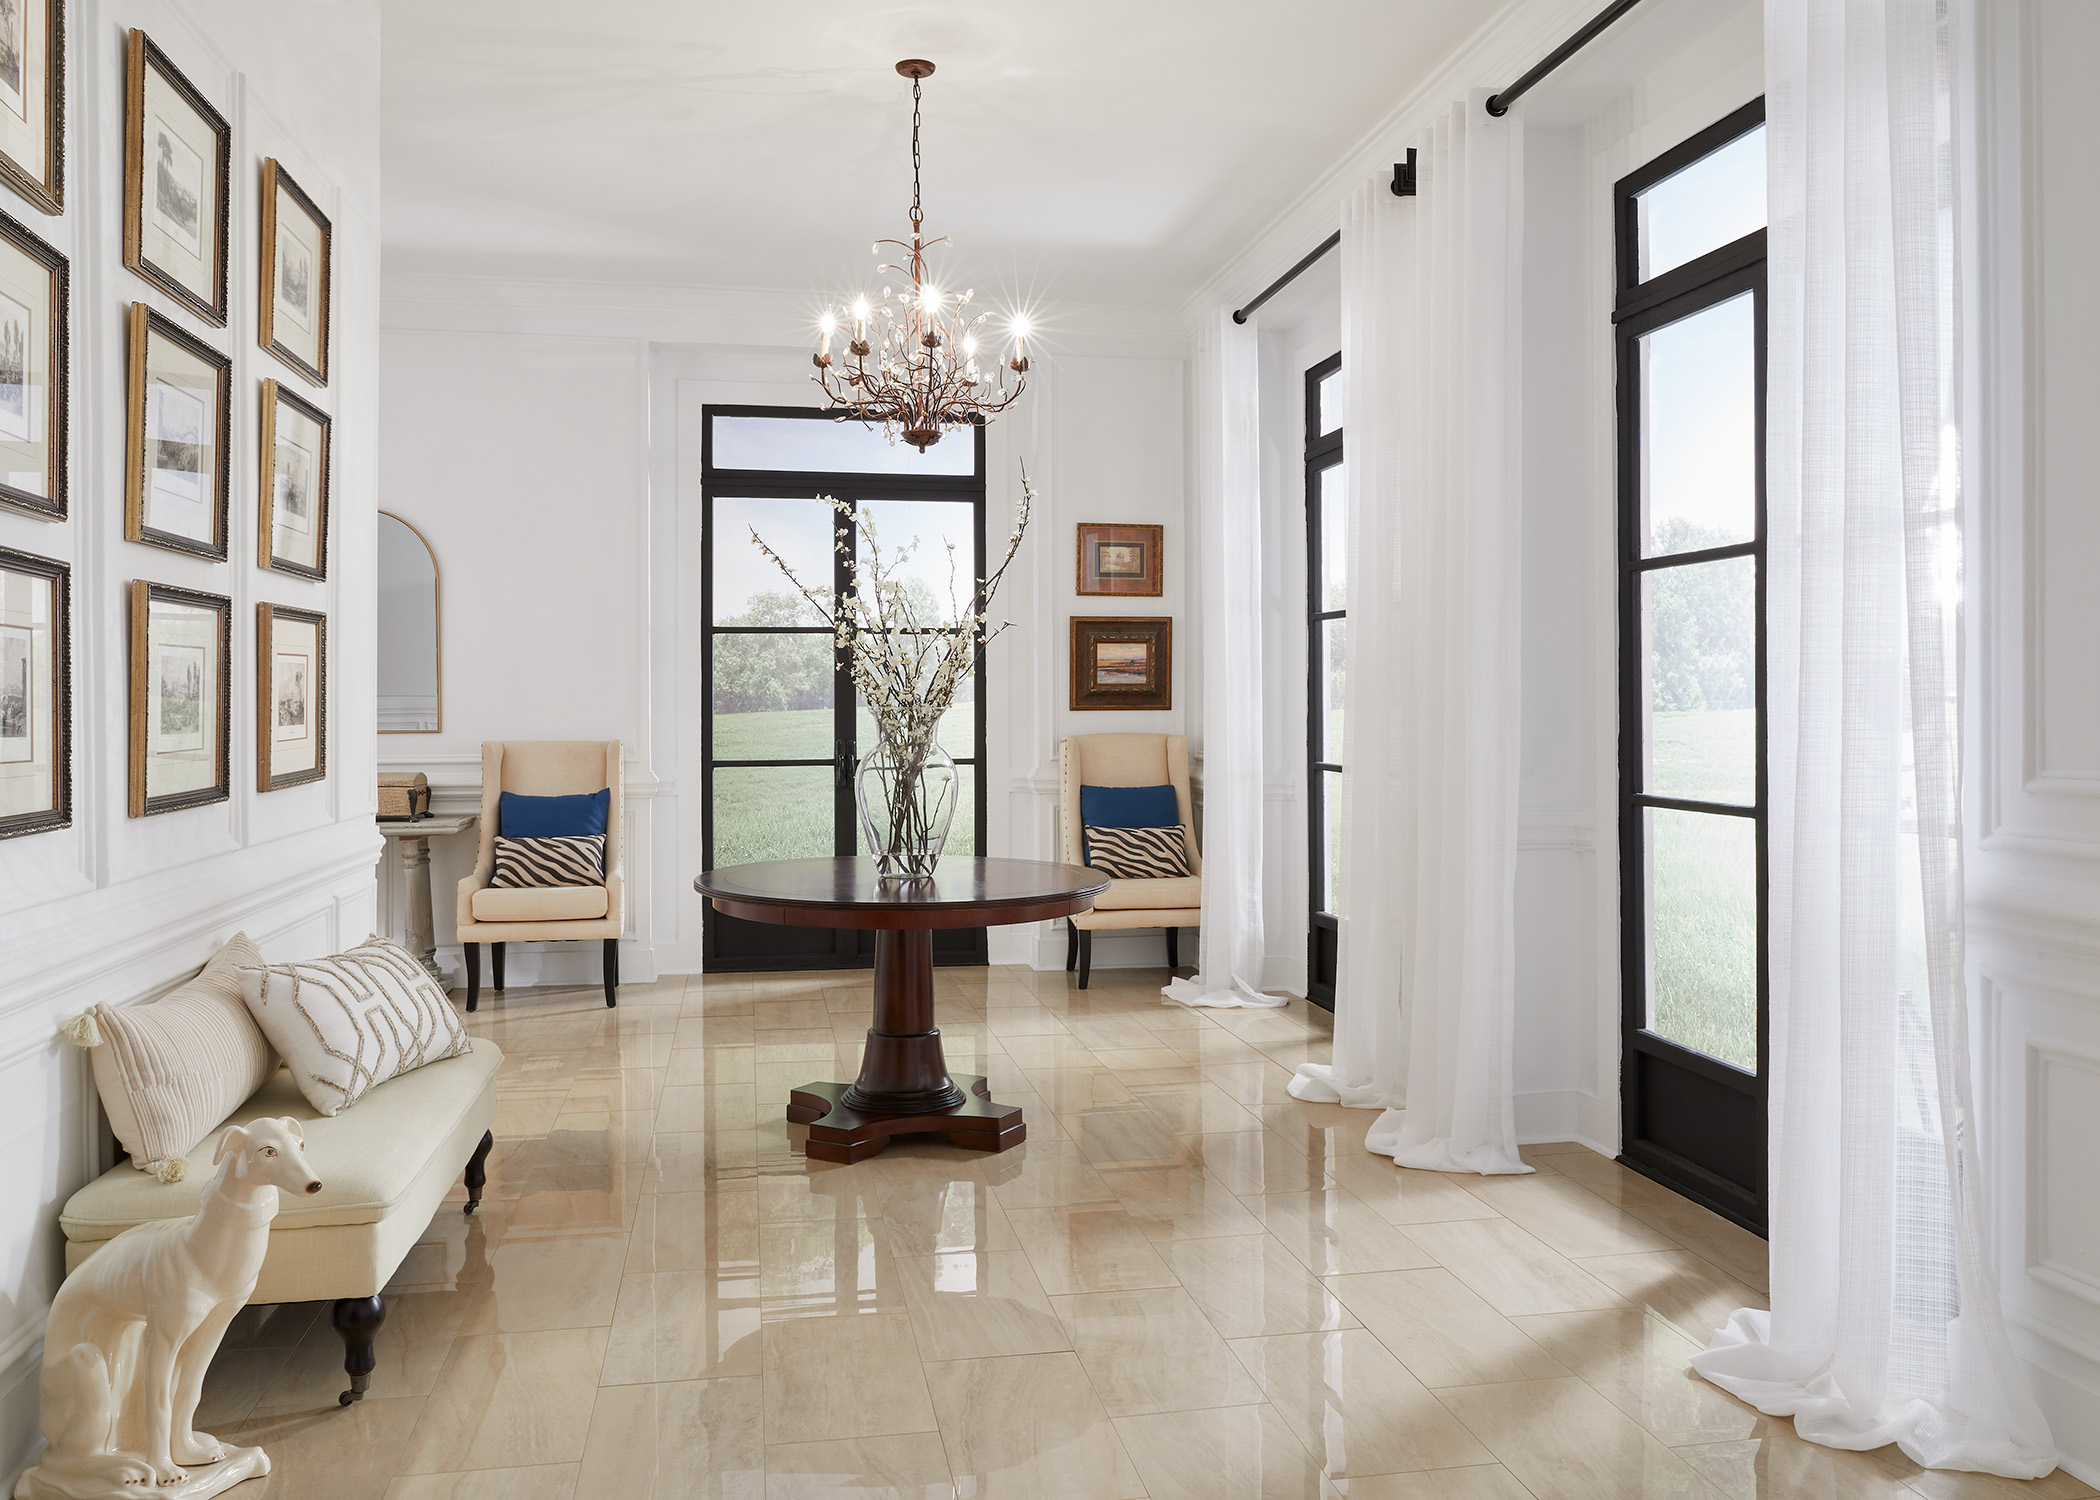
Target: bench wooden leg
[(612, 970), (496, 963), (477, 1169), (473, 952), (357, 1319)]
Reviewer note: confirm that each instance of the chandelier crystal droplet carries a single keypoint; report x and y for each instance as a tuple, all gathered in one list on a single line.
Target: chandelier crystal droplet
[(913, 363)]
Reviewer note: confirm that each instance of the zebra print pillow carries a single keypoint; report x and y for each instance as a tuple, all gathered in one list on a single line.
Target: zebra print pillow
[(546, 862), (1138, 853)]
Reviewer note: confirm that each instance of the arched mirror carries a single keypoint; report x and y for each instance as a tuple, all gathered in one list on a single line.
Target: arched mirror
[(409, 675)]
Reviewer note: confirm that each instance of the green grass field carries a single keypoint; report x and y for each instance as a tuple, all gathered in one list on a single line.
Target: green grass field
[(1702, 907)]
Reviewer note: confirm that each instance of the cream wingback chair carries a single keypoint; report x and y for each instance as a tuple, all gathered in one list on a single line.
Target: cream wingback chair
[(1126, 760), (543, 914)]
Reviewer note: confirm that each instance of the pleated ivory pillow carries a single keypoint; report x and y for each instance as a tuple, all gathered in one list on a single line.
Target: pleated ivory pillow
[(171, 1069), (349, 1023)]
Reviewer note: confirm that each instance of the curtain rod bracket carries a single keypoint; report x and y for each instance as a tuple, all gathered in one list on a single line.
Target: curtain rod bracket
[(1404, 176)]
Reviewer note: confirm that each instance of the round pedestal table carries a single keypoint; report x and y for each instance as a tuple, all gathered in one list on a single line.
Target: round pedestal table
[(904, 1087)]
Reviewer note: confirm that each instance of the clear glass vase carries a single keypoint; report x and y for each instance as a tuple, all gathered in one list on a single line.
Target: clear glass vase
[(907, 791)]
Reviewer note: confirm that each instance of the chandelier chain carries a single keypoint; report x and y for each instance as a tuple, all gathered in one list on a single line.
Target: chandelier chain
[(917, 217)]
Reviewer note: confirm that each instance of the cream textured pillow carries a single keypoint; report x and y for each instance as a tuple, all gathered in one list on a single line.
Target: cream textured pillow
[(171, 1069), (348, 1023)]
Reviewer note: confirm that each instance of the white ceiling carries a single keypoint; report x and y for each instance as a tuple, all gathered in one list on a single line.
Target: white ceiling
[(1080, 151)]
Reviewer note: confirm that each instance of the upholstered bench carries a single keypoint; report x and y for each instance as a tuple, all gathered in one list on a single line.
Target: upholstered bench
[(385, 1165)]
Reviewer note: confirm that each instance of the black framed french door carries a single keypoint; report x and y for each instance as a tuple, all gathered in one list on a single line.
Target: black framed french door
[(781, 725), (1327, 653), (1690, 340)]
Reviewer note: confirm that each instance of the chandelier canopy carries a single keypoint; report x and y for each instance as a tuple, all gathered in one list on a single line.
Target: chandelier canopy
[(913, 363)]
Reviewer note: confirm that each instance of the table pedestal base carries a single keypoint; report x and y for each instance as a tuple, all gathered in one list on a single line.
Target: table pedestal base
[(838, 1132)]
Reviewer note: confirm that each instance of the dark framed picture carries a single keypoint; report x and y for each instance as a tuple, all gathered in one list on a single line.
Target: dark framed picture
[(292, 531), (291, 696), (1119, 559), (36, 695), (181, 687), (176, 170), (33, 101), (1123, 663), (34, 337), (295, 275), (175, 482)]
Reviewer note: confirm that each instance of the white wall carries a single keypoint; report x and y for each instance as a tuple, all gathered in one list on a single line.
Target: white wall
[(116, 909)]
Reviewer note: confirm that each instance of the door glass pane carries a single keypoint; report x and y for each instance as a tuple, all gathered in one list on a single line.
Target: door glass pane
[(1330, 389), (962, 833), (1698, 386), (749, 589), (1702, 932), (1334, 663), (814, 445), (1713, 202), (772, 697), (1700, 624), (930, 547), (772, 812), (1335, 804), (1334, 541)]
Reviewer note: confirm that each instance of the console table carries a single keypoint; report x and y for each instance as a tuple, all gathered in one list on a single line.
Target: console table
[(904, 1086), (413, 835)]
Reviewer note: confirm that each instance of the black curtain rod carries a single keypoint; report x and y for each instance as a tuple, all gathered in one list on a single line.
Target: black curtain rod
[(1403, 187), (1498, 104)]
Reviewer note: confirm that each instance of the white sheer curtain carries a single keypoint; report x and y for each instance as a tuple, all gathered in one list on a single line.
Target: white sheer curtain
[(1232, 942), (1425, 994), (1885, 1325)]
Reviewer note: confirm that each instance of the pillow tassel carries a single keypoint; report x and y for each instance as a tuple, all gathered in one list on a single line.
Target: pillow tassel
[(82, 1030), (172, 1169)]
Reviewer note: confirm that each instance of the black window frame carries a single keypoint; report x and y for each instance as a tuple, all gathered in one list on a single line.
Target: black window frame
[(1323, 451)]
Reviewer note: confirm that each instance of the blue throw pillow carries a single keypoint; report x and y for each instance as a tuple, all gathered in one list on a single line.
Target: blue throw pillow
[(578, 816), (1126, 807)]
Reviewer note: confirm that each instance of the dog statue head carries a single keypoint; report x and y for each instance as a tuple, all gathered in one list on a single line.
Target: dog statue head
[(273, 1151)]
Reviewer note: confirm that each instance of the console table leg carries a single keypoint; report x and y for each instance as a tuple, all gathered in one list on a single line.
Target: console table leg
[(422, 924)]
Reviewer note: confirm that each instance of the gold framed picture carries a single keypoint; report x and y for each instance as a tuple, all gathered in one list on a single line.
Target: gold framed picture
[(1119, 559), (292, 531), (33, 101), (295, 275), (175, 482), (291, 696), (36, 694), (181, 686), (177, 165), (34, 338), (1125, 662)]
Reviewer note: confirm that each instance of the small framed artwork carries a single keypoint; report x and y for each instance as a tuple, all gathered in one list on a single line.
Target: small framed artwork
[(1119, 559), (1123, 663), (36, 702), (181, 684), (176, 170), (295, 266), (33, 343), (292, 532), (291, 696), (33, 101), (175, 483)]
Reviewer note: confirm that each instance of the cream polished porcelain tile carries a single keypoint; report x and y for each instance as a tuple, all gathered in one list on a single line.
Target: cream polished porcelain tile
[(908, 1467), (1071, 1091), (927, 1218), (829, 1378), (1354, 1406), (1211, 1046), (1401, 1195), (817, 1043), (1058, 1050), (1780, 1466), (1515, 1271), (1090, 1248), (1734, 1249), (1250, 1083), (1643, 1366), (1566, 1215), (1335, 1233), (281, 1325), (1125, 1136), (646, 1049), (716, 1107), (1564, 1440), (1114, 1029), (1047, 1174), (593, 1137), (1182, 1203), (825, 1267), (802, 1012), (667, 1442), (528, 1111), (1253, 1162), (414, 1344), (1152, 1351), (1687, 1291), (1441, 1330), (693, 1161), (562, 1281), (621, 1089), (1190, 1109), (683, 1325), (695, 1232), (1029, 1427), (970, 1304), (509, 1400), (1024, 1020), (1250, 1284), (345, 1453), (820, 1191), (712, 1066), (1476, 1482), (1130, 1061), (453, 1252), (1947, 1484), (543, 1482), (236, 1379), (697, 1032), (1247, 1453)]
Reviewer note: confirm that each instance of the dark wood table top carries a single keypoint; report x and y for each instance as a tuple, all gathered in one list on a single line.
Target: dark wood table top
[(850, 893)]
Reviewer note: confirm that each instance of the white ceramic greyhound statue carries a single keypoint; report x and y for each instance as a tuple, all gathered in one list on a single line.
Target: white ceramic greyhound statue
[(134, 1327)]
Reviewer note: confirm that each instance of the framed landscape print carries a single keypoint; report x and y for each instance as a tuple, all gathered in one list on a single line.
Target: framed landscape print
[(33, 343), (36, 707), (1119, 559), (33, 100), (175, 482), (292, 533), (295, 275), (1123, 663), (176, 156), (291, 696), (181, 682)]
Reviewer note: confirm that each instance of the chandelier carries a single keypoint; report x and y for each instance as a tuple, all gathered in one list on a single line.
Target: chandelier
[(913, 364)]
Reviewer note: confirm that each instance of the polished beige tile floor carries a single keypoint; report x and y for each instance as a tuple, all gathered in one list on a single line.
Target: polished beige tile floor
[(1185, 1283)]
